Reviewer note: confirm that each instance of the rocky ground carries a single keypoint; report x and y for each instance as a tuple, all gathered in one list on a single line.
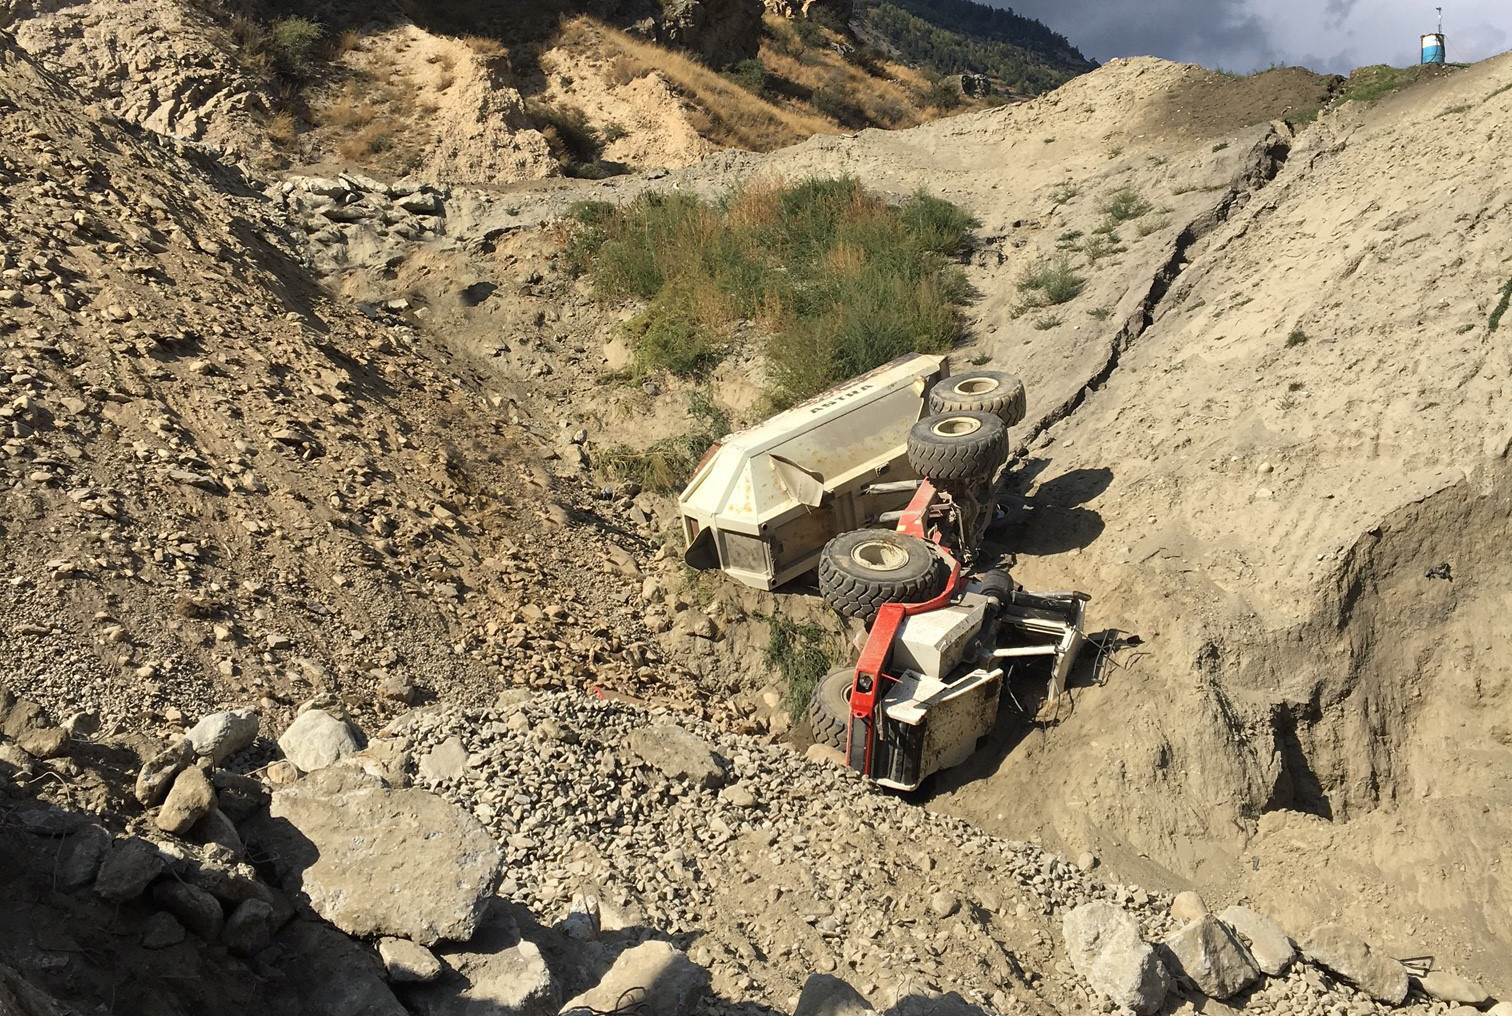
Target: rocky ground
[(320, 448), (557, 850)]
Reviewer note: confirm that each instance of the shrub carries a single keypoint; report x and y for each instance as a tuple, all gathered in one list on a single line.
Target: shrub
[(797, 651), (943, 93), (1126, 204), (839, 280), (834, 103), (1051, 283), (810, 33), (937, 224), (751, 75), (667, 465), (293, 44), (1296, 338), (1102, 245)]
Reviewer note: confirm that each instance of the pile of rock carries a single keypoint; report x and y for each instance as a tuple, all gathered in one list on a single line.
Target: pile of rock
[(341, 210), (1232, 954)]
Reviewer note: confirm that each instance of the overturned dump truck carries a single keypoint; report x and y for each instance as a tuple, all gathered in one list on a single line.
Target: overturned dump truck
[(764, 501), (885, 487)]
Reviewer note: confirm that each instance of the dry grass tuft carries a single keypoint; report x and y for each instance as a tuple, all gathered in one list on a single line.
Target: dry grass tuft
[(281, 128)]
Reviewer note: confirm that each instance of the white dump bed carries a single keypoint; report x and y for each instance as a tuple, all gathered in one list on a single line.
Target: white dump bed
[(765, 500)]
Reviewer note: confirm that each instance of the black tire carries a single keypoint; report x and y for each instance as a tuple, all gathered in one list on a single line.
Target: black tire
[(981, 391), (961, 447), (861, 570), (829, 709)]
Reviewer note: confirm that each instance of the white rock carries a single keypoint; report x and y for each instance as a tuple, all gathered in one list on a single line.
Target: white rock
[(375, 860), (316, 739), (408, 962), (1105, 947), (668, 983), (1208, 954), (1343, 952), (221, 735), (446, 761), (1271, 947)]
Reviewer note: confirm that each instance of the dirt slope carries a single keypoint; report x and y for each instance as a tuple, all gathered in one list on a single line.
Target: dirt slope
[(1307, 428), (221, 485), (1261, 509)]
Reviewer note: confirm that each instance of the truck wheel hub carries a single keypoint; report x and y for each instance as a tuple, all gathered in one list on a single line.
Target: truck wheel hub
[(879, 556), (956, 426)]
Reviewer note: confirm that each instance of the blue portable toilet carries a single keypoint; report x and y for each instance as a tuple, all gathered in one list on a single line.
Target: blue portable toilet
[(1433, 48)]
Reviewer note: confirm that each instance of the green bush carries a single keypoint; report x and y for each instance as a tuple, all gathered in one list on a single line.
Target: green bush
[(797, 651), (939, 225), (1126, 204), (751, 75), (666, 466), (1052, 282), (839, 280), (810, 33), (294, 44), (669, 336)]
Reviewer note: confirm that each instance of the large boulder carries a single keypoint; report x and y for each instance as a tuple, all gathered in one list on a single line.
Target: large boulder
[(1447, 987), (330, 974), (1353, 959), (375, 860), (827, 995), (497, 971), (1209, 955), (128, 869), (221, 735), (1271, 946), (159, 771), (679, 755), (1106, 948), (190, 799), (317, 738), (656, 975), (718, 32)]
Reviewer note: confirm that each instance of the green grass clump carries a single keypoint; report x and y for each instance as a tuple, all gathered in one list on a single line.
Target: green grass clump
[(667, 466), (1050, 283), (797, 651), (294, 44), (1501, 307), (1297, 338), (1101, 245), (838, 280), (1126, 204), (1368, 84)]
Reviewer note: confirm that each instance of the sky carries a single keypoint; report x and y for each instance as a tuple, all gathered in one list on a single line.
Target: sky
[(1329, 36)]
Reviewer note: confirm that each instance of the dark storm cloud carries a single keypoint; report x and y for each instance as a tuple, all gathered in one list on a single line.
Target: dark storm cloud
[(1336, 12), (1185, 30)]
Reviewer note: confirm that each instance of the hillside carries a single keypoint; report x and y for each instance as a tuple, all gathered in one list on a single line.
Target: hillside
[(494, 94), (324, 433), (1019, 55)]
